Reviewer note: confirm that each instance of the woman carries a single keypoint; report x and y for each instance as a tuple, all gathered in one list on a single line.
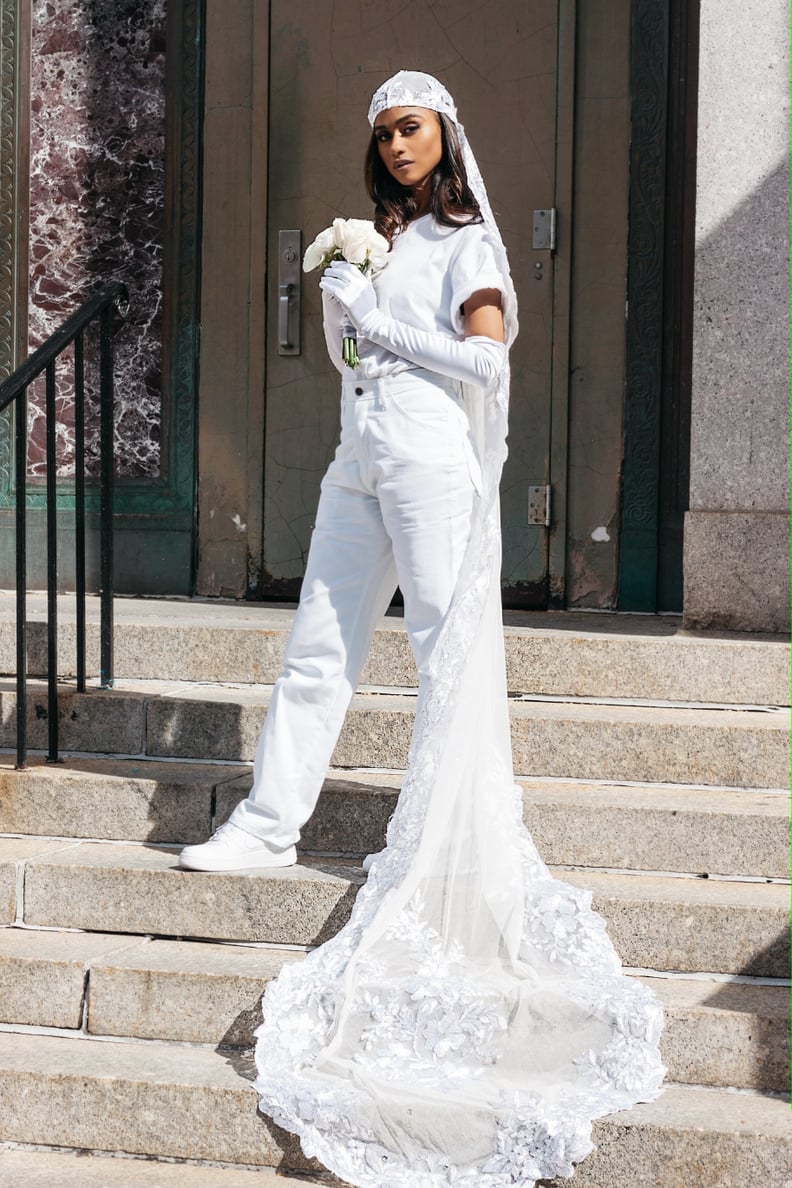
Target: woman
[(471, 1019)]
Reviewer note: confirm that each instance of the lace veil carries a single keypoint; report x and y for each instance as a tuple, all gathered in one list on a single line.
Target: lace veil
[(471, 1019)]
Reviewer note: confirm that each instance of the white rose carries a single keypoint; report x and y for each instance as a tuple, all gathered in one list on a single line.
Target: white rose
[(324, 243), (378, 250), (360, 243), (352, 237)]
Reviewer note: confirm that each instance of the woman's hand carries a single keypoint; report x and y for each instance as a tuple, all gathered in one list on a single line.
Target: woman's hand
[(352, 288), (333, 318)]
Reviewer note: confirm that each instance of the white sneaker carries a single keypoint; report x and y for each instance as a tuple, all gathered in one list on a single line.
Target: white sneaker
[(232, 848)]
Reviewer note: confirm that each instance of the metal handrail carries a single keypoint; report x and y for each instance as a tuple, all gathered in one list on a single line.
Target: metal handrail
[(15, 389)]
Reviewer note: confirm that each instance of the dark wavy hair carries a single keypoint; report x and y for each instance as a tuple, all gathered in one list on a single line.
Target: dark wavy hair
[(452, 202)]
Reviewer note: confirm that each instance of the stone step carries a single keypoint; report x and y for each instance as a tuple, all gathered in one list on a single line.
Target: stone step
[(547, 653), (663, 923), (131, 1097), (112, 887), (564, 739), (716, 1033), (21, 1168), (696, 830), (641, 827), (144, 1099), (725, 1033), (112, 799)]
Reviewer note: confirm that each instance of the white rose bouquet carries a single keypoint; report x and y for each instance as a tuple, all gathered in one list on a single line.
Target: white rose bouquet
[(355, 241)]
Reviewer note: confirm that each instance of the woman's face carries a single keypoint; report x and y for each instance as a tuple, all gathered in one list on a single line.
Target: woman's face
[(410, 144)]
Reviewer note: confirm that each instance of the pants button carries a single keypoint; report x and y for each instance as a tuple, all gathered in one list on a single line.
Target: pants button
[(358, 391)]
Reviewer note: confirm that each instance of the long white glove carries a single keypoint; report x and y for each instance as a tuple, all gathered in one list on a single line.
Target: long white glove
[(333, 317), (476, 360)]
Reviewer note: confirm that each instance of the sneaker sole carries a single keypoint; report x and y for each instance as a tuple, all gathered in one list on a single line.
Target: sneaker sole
[(262, 862)]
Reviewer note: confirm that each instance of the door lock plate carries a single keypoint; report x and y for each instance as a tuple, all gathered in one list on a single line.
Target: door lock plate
[(289, 291)]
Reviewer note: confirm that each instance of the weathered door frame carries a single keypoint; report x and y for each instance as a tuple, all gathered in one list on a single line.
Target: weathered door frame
[(229, 554), (233, 291), (660, 303), (559, 398), (232, 364), (234, 269)]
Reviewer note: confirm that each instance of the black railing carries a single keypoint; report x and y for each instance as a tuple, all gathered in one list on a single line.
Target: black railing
[(15, 391)]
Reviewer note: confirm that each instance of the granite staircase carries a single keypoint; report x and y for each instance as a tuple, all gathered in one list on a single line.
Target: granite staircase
[(653, 764)]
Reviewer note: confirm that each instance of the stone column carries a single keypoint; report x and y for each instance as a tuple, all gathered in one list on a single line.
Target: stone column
[(736, 532)]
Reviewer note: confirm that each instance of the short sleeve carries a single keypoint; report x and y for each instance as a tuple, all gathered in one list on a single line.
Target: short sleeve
[(473, 267)]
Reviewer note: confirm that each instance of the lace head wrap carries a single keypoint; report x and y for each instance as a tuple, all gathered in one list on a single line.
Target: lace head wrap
[(414, 88)]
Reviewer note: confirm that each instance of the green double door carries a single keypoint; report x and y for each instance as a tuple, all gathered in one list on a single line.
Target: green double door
[(500, 63)]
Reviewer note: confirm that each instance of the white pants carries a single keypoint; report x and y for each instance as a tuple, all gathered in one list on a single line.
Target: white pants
[(395, 506)]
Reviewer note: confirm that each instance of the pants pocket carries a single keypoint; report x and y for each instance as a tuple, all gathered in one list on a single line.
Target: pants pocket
[(469, 448)]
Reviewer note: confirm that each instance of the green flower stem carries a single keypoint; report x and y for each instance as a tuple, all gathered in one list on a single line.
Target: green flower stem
[(349, 348), (349, 352)]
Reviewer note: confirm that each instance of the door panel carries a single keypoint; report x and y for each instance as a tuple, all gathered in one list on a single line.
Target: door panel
[(499, 62)]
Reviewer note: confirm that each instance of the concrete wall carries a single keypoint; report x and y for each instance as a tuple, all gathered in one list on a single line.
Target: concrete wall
[(736, 532)]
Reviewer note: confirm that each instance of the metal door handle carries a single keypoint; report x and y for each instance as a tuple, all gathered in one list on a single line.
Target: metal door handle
[(283, 316), (289, 292)]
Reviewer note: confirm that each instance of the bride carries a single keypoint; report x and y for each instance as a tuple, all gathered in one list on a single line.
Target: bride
[(471, 1020)]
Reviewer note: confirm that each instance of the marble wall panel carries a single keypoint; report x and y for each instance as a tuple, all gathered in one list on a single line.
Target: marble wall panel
[(97, 203)]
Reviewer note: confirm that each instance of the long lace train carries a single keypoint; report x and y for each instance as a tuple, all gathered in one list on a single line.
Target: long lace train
[(471, 1019)]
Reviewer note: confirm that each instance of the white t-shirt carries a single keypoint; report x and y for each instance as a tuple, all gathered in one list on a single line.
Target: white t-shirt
[(431, 272)]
